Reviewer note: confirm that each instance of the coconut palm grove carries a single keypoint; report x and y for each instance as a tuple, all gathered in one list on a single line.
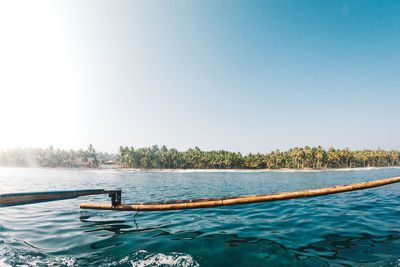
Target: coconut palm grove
[(156, 157)]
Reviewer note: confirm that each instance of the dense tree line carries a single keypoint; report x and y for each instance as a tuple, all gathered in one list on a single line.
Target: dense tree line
[(297, 158), (164, 158), (50, 157)]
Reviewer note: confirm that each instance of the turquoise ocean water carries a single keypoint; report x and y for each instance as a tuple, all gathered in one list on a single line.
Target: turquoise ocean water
[(357, 228)]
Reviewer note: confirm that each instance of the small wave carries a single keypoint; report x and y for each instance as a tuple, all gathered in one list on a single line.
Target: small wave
[(3, 263), (142, 258), (10, 258), (18, 257)]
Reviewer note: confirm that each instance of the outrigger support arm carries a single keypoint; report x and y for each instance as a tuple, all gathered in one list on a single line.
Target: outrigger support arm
[(35, 197), (27, 198)]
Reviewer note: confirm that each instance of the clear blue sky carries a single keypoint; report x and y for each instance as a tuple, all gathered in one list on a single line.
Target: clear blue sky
[(247, 76)]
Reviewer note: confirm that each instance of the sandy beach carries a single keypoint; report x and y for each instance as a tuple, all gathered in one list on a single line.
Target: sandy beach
[(251, 170)]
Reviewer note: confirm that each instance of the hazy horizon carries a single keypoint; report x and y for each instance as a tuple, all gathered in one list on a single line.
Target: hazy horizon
[(239, 76)]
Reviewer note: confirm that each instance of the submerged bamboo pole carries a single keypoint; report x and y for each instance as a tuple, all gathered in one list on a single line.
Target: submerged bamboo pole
[(226, 201)]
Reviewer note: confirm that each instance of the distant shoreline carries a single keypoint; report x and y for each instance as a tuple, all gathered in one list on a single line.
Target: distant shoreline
[(194, 159), (206, 170), (250, 170)]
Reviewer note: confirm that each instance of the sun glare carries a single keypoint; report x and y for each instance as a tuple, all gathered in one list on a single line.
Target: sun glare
[(37, 103)]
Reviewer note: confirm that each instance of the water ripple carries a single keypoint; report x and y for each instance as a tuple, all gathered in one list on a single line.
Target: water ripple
[(355, 228)]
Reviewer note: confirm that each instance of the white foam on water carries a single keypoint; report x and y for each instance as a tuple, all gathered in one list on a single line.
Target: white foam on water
[(16, 257), (10, 257), (48, 261), (142, 258), (3, 264)]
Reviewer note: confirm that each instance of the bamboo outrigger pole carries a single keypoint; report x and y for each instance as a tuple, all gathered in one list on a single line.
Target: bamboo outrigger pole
[(226, 201)]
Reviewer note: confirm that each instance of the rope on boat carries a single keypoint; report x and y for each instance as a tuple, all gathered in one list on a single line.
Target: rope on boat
[(238, 200)]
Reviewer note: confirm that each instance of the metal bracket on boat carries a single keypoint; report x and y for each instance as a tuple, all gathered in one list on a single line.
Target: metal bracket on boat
[(115, 196)]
